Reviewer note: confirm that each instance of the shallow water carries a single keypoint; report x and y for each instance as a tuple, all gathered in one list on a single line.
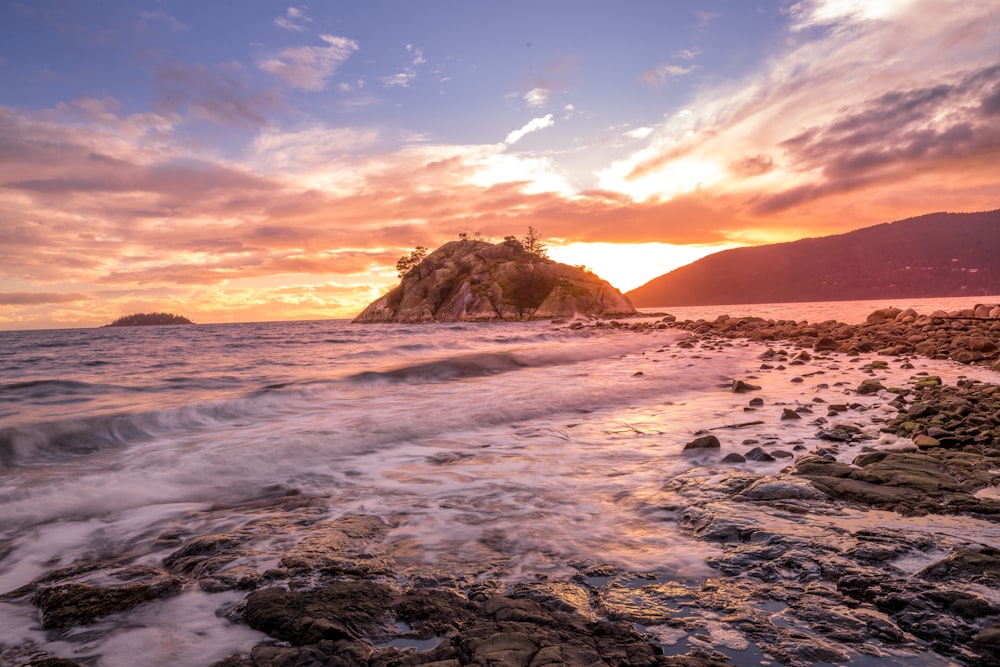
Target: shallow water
[(521, 449)]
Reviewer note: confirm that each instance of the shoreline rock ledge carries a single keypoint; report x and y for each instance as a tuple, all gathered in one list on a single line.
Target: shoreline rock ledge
[(475, 281)]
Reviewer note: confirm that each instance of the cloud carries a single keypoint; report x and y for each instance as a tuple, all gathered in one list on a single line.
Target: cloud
[(294, 20), (660, 74), (164, 17), (533, 125), (753, 165), (399, 80), (706, 18), (537, 97), (814, 13), (416, 55), (309, 67), (893, 135), (864, 103), (37, 298), (639, 133), (221, 93)]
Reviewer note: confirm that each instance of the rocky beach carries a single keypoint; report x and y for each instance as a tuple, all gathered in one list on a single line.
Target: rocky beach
[(848, 513)]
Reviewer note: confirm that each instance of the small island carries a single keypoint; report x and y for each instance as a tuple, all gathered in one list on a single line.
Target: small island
[(471, 280), (149, 319)]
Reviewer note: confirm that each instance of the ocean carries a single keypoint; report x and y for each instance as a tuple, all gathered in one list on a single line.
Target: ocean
[(518, 450)]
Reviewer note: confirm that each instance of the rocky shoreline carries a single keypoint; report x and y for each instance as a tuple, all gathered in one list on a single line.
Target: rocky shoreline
[(874, 542)]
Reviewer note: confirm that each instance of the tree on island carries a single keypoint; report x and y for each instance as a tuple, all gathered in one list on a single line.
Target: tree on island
[(533, 243), (409, 262), (149, 319)]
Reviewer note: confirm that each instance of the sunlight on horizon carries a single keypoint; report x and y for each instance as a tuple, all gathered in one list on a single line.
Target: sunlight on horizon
[(631, 265)]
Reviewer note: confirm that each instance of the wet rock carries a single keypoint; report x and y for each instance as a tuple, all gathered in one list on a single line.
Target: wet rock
[(85, 599), (703, 442), (338, 611), (869, 387), (321, 549), (968, 564), (758, 454), (324, 627), (780, 489), (742, 386), (733, 457), (987, 642), (789, 413), (815, 466), (32, 656)]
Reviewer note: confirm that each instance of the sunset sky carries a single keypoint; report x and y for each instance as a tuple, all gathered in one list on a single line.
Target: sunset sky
[(247, 161)]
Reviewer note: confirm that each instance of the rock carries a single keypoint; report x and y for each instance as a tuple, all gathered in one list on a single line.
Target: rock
[(81, 600), (703, 442), (825, 344), (323, 627), (733, 457), (758, 454), (926, 442), (756, 402), (32, 656), (741, 386), (810, 466), (883, 315), (981, 564), (779, 489), (869, 387), (788, 413), (476, 281), (988, 642)]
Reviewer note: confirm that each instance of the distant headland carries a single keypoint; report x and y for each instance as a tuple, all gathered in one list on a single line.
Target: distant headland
[(935, 255), (149, 319)]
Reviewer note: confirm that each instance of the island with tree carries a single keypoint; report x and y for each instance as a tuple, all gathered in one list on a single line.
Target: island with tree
[(149, 319), (475, 280)]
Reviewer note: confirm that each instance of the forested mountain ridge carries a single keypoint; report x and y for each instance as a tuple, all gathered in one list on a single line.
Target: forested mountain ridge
[(935, 255)]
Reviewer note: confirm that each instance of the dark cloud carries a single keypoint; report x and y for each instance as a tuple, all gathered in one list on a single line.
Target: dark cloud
[(895, 135), (753, 165)]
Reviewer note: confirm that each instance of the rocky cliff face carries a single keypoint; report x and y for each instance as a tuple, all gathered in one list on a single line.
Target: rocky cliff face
[(480, 281)]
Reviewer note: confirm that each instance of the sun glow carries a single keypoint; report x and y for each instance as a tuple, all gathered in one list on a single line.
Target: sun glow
[(629, 265)]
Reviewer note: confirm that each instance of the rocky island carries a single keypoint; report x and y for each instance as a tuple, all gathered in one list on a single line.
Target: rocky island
[(471, 280), (149, 319)]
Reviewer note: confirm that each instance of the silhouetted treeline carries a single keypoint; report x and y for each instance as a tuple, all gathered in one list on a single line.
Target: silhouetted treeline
[(148, 319)]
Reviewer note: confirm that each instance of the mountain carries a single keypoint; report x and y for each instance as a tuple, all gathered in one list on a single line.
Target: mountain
[(935, 255), (474, 281)]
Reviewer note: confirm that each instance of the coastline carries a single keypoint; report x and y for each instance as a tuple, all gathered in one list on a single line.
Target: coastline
[(860, 545)]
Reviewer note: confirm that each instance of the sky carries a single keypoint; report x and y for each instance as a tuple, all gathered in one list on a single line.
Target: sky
[(235, 161)]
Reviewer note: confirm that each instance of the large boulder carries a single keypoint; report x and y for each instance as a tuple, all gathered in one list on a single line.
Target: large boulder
[(479, 281)]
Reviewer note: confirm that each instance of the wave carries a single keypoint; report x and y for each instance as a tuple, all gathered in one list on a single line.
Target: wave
[(46, 442), (480, 364), (36, 389), (58, 440), (354, 410), (455, 368)]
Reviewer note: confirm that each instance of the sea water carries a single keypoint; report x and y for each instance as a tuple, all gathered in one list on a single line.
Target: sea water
[(517, 449)]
